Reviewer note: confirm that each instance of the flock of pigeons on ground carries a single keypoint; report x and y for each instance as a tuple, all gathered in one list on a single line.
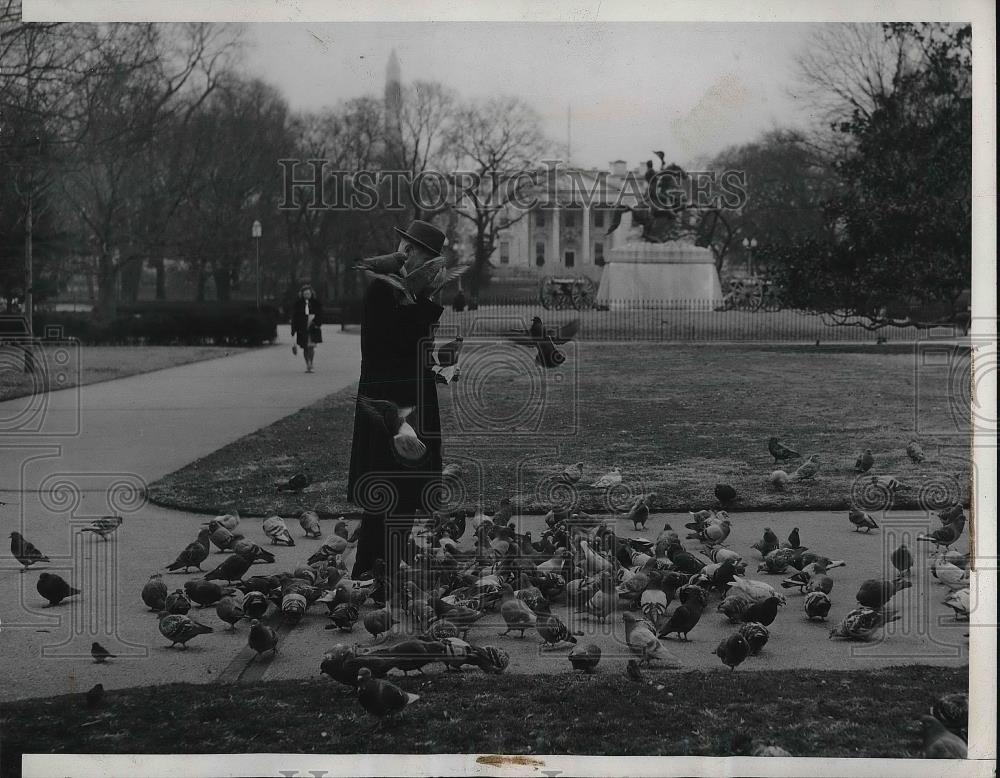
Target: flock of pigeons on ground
[(448, 587)]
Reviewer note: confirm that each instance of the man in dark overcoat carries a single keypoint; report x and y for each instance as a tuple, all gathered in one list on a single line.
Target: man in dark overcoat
[(396, 349)]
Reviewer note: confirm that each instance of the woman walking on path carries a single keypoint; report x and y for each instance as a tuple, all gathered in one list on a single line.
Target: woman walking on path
[(307, 316)]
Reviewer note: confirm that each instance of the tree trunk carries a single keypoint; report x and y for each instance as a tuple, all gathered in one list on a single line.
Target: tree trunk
[(107, 285), (131, 278), (223, 284), (161, 279)]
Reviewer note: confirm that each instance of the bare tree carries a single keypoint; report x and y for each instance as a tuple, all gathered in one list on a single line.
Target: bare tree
[(502, 143)]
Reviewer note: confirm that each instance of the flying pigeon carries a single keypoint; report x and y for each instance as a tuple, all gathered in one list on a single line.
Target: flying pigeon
[(407, 447), (807, 469), (780, 452), (447, 355), (429, 277), (104, 526), (178, 628), (25, 552), (274, 527), (100, 653), (54, 589), (864, 461)]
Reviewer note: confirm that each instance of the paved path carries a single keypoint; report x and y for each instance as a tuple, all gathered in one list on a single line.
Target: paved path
[(71, 455), (134, 430)]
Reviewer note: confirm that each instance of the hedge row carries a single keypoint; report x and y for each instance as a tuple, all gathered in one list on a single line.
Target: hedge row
[(165, 324)]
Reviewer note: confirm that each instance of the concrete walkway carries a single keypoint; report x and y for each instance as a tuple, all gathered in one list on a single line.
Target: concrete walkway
[(72, 455), (95, 448)]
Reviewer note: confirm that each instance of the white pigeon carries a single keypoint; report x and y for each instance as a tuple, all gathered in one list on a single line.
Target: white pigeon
[(609, 479), (757, 590), (952, 576), (229, 520), (807, 469), (958, 601), (274, 527)]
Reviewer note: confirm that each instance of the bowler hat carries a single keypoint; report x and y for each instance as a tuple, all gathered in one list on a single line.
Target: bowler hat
[(423, 234)]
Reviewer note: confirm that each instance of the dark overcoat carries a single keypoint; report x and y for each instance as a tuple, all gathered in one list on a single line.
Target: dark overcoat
[(396, 352), (299, 328)]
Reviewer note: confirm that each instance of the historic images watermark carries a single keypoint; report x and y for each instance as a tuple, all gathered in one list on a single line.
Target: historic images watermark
[(312, 184)]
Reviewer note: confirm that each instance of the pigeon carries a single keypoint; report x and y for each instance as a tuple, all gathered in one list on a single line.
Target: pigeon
[(178, 628), (100, 653), (794, 541), (345, 615), (309, 521), (406, 446), (609, 479), (252, 552), (643, 641), (296, 483), (949, 515), (915, 452), (262, 638), (379, 697), (379, 622), (733, 650), (572, 473), (551, 628), (756, 636), (945, 535), (95, 695), (864, 462), (683, 619), (958, 601), (861, 520), (724, 493), (767, 544), (807, 469), (544, 340), (874, 593), (255, 605), (154, 593), (781, 453), (778, 479), (952, 576), (193, 554), (585, 657), (633, 672), (817, 606), (232, 568), (382, 264), (902, 559), (861, 623), (54, 589), (293, 607), (952, 710), (762, 612), (447, 355), (638, 514), (203, 593), (105, 527), (230, 609), (221, 537), (274, 527), (177, 602), (25, 552), (939, 743), (229, 520), (515, 612)]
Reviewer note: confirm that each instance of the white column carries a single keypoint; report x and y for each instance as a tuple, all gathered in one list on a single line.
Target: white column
[(585, 248), (556, 256)]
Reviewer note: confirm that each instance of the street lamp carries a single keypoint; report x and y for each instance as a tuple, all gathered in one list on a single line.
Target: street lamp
[(255, 231), (749, 244)]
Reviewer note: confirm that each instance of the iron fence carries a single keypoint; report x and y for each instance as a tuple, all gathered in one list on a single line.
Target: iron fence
[(674, 321)]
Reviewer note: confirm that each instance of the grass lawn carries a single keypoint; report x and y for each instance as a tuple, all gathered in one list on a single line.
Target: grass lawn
[(808, 713), (62, 366), (677, 419)]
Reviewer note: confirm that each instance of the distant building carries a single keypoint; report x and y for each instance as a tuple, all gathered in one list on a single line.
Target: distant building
[(566, 234)]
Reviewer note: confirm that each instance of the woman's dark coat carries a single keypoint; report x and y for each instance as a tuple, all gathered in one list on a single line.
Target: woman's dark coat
[(299, 330), (396, 355)]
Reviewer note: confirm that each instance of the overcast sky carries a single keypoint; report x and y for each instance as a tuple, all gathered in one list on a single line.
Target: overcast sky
[(686, 88)]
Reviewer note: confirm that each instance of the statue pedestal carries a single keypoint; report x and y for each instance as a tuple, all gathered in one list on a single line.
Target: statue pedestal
[(675, 274)]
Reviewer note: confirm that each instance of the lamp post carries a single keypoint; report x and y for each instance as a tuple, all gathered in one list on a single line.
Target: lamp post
[(255, 231), (750, 244)]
